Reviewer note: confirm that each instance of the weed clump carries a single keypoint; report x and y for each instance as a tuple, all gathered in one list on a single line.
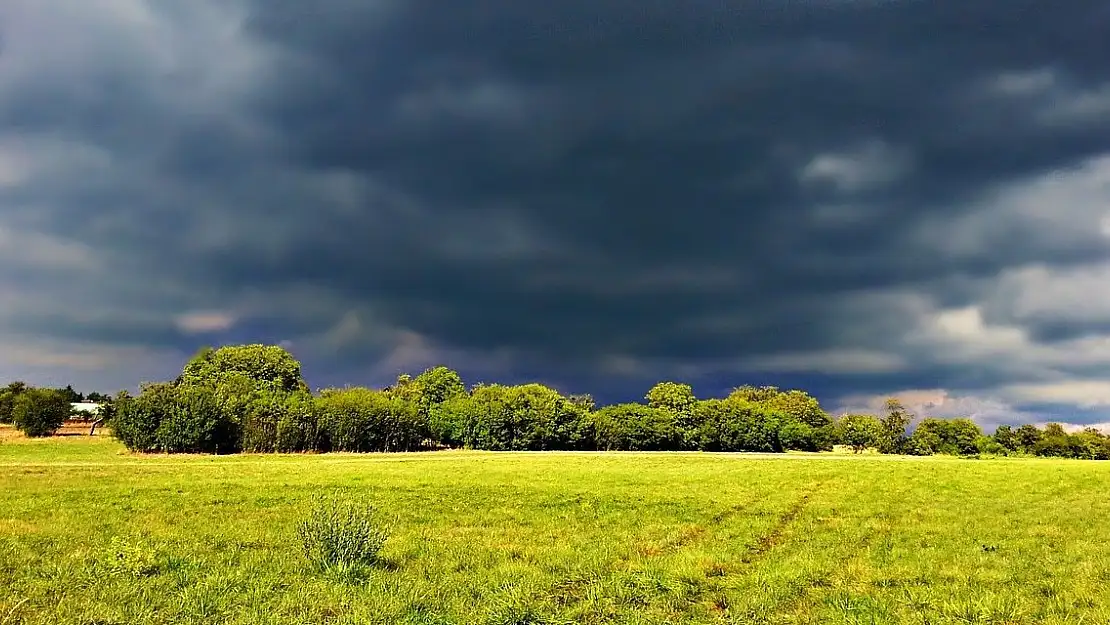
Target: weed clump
[(126, 557), (340, 533)]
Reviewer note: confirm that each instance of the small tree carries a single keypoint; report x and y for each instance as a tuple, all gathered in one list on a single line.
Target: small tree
[(40, 412), (860, 431), (1027, 436), (894, 425), (677, 399), (7, 400), (1004, 435)]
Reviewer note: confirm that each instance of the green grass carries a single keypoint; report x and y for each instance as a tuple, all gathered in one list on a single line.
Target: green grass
[(92, 535)]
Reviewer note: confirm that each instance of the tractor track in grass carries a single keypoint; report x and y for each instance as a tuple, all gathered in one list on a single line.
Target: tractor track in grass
[(570, 590)]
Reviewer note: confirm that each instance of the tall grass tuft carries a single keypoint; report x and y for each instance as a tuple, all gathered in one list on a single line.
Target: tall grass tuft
[(341, 533)]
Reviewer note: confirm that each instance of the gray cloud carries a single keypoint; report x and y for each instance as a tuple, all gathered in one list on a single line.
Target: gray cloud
[(858, 197)]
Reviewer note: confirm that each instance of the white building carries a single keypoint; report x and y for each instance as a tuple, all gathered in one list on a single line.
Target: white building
[(86, 407)]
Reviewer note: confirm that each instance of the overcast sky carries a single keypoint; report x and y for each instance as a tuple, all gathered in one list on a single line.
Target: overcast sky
[(854, 197)]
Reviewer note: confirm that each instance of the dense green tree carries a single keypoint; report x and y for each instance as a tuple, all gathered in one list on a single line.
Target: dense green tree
[(269, 367), (524, 417), (1004, 436), (800, 436), (1090, 444), (71, 395), (990, 445), (194, 423), (793, 407), (1054, 442), (361, 419), (1027, 436), (636, 427), (861, 431), (678, 399), (949, 436), (40, 412), (138, 418), (923, 442), (8, 395), (894, 423), (437, 385), (737, 424)]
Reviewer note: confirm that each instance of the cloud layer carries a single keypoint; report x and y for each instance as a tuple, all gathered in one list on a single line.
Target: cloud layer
[(855, 197)]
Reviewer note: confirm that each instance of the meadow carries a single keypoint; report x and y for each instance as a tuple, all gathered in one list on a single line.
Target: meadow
[(92, 534)]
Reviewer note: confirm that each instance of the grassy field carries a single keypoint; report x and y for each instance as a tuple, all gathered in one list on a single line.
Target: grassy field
[(92, 535)]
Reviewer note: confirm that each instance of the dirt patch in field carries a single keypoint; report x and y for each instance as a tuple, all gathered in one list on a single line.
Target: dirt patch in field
[(69, 428)]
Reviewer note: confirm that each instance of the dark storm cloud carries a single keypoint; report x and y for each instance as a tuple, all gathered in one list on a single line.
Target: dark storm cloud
[(802, 193), (640, 138)]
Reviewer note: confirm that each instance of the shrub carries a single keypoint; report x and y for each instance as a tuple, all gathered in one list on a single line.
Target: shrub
[(738, 424), (989, 445), (137, 419), (799, 436), (260, 422), (923, 442), (635, 427), (298, 427), (39, 412), (7, 400), (134, 559), (360, 419), (860, 431), (341, 533), (195, 423)]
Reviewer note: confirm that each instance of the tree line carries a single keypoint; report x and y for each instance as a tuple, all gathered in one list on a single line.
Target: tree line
[(253, 398)]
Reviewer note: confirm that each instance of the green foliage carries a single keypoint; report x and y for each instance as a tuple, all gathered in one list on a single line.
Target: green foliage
[(636, 427), (923, 442), (1004, 436), (341, 533), (1027, 437), (260, 422), (130, 558), (298, 425), (137, 418), (678, 400), (988, 445), (164, 417), (957, 437), (437, 385), (195, 423), (804, 425), (894, 424), (8, 395), (737, 424), (39, 412), (252, 398), (861, 431), (269, 367), (525, 417), (360, 419), (800, 436)]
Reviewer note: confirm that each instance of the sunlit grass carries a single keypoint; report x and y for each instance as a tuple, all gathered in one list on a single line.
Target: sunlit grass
[(91, 534)]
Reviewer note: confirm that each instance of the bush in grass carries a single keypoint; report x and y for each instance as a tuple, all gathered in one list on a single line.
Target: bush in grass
[(40, 412), (342, 533), (125, 557)]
